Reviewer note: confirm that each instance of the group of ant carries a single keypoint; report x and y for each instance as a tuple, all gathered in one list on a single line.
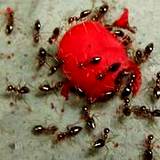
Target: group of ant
[(141, 111), (124, 76)]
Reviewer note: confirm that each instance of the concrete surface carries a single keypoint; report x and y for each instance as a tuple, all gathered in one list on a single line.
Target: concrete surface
[(16, 122)]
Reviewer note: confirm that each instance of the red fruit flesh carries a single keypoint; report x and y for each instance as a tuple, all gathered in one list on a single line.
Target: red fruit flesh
[(123, 21), (85, 41)]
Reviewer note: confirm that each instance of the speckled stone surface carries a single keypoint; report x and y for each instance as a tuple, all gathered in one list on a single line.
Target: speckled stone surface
[(16, 122)]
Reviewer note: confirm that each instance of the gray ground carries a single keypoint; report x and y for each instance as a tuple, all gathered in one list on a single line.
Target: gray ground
[(16, 122)]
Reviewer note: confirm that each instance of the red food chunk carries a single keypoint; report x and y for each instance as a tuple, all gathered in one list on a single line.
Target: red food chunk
[(85, 41)]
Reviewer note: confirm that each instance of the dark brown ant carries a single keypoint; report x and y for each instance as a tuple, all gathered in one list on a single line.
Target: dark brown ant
[(36, 31), (148, 153), (106, 96), (18, 91), (90, 122), (42, 57), (10, 20), (77, 91), (72, 19), (46, 88), (40, 130), (112, 68), (156, 90), (55, 67), (101, 141), (126, 107), (100, 13), (93, 60), (119, 33), (124, 38), (156, 113), (54, 36), (85, 13), (142, 56), (71, 132), (128, 89)]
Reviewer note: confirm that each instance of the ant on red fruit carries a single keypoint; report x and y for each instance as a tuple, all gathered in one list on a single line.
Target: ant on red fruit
[(10, 20)]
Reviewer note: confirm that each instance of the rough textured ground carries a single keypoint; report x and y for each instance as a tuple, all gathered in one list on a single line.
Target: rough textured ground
[(16, 122)]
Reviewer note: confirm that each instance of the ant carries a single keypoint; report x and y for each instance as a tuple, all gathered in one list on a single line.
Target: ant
[(99, 143), (111, 69), (71, 132), (128, 78), (142, 56), (124, 38), (46, 88), (17, 91), (54, 68), (100, 13), (72, 19), (156, 90), (36, 31), (128, 89), (90, 122), (148, 153), (77, 91), (10, 20), (106, 96), (42, 57), (40, 130), (54, 36), (144, 112), (126, 107), (83, 15), (93, 60)]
